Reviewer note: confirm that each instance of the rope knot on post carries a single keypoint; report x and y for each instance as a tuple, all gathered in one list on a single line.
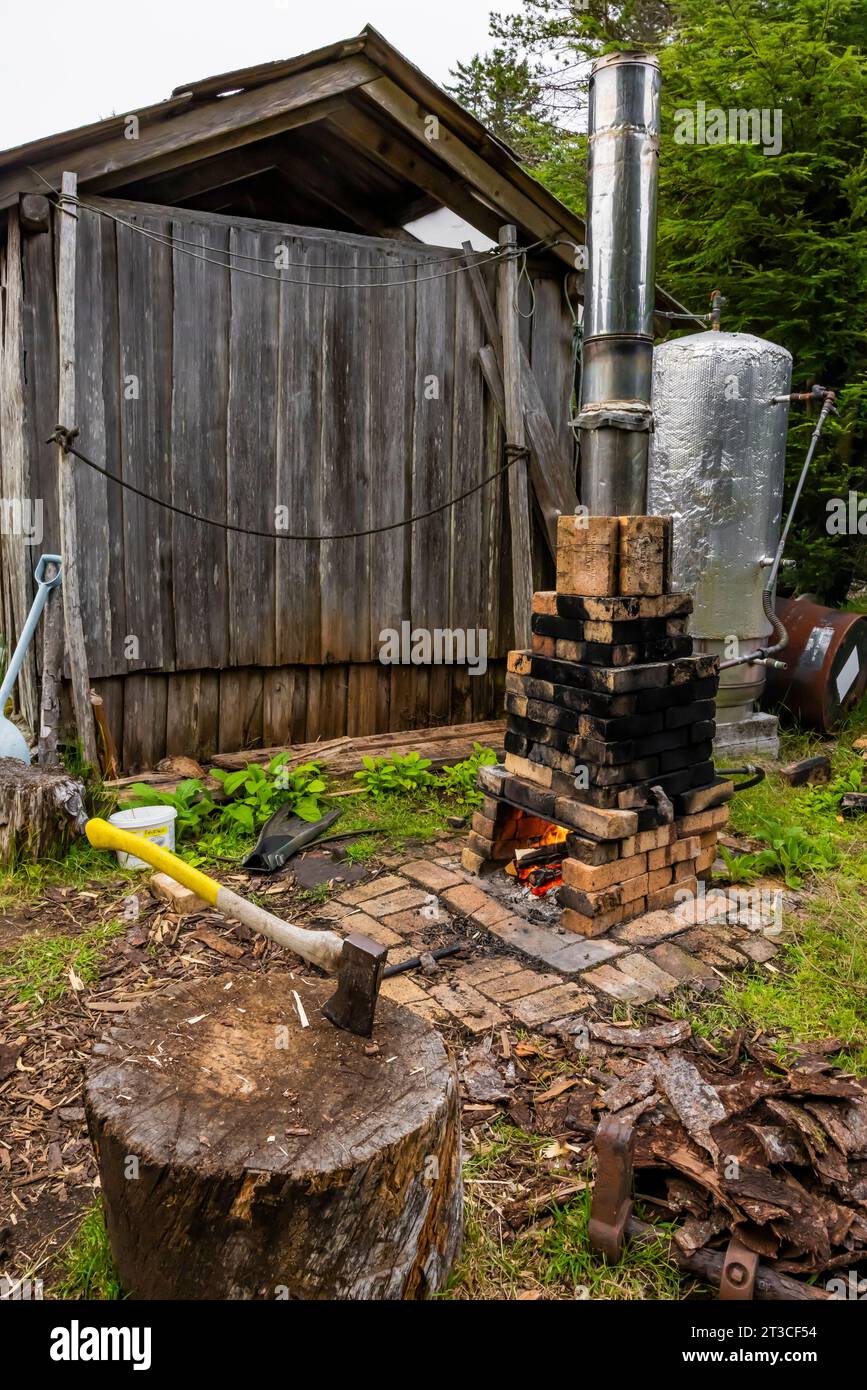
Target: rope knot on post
[(63, 437)]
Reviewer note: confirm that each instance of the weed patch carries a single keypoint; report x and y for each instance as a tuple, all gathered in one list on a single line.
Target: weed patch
[(40, 970)]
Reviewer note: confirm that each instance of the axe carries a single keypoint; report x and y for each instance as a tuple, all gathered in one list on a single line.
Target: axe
[(358, 962)]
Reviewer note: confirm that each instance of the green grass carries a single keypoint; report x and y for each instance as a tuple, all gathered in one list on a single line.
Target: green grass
[(359, 851), (552, 1255), (87, 1268), (414, 816), (81, 866), (37, 971), (819, 987)]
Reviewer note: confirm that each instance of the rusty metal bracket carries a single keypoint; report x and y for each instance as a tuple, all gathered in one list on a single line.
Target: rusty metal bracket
[(738, 1279), (612, 1195)]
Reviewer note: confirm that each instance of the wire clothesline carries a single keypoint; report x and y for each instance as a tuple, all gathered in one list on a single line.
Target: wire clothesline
[(64, 438), (494, 255)]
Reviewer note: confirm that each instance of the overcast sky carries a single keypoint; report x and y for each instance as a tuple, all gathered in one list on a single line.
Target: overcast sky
[(64, 63)]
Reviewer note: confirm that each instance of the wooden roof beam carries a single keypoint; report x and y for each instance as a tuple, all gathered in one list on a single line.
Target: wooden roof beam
[(385, 96), (310, 182), (362, 131), (197, 133), (219, 171)]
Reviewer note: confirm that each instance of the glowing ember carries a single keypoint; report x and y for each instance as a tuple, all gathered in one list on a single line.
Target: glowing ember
[(538, 865)]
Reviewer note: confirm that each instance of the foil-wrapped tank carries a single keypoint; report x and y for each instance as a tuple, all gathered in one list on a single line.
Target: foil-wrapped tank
[(717, 462)]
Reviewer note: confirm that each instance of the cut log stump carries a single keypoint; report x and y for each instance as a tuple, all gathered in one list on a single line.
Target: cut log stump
[(243, 1155), (41, 811)]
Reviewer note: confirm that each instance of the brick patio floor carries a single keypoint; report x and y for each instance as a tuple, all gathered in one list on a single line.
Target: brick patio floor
[(520, 966)]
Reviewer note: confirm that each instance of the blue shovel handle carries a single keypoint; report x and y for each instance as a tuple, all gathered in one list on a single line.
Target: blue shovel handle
[(44, 587)]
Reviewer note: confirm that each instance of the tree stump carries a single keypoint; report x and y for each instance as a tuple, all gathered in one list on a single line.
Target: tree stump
[(41, 811), (243, 1155)]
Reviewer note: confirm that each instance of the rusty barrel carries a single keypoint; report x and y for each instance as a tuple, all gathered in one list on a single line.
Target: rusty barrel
[(825, 663)]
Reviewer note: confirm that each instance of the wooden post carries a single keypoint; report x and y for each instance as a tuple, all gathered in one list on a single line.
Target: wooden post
[(519, 502), (52, 673), (75, 647), (550, 473)]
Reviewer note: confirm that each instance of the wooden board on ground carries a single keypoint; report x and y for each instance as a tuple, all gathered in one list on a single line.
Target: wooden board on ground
[(343, 756)]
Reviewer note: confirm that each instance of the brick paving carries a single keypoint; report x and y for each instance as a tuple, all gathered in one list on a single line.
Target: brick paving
[(521, 966)]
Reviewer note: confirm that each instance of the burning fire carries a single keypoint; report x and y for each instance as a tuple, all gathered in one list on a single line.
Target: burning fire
[(539, 865), (553, 835)]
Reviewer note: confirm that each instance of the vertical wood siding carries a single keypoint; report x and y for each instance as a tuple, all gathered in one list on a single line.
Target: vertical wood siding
[(234, 396)]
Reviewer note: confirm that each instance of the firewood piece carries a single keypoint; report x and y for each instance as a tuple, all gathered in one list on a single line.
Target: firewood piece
[(275, 1160), (41, 811), (807, 770), (109, 758)]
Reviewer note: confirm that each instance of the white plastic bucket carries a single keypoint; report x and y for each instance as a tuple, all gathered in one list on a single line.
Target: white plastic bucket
[(154, 823)]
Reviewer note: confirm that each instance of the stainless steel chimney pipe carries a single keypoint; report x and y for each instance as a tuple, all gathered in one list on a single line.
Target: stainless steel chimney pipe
[(617, 353)]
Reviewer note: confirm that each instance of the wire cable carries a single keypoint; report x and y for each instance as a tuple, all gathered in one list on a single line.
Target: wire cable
[(63, 438), (491, 257)]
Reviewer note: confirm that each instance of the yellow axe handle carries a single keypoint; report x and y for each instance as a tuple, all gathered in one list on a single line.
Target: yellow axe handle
[(323, 948), (103, 835)]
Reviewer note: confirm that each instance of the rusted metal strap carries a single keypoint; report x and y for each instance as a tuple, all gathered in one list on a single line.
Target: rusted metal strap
[(738, 1279), (612, 1195)]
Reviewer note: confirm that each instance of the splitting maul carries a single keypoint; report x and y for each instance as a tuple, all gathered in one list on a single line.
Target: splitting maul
[(358, 961)]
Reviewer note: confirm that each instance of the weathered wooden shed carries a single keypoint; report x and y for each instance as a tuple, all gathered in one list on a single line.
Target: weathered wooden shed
[(261, 342)]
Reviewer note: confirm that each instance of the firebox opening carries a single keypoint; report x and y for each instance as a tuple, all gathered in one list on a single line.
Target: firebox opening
[(538, 863)]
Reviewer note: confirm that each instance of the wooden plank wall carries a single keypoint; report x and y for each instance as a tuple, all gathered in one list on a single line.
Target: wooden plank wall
[(233, 396)]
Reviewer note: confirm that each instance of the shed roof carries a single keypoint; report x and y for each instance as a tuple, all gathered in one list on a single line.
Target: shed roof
[(342, 135)]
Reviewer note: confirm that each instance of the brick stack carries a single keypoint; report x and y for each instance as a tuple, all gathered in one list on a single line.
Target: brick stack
[(610, 728)]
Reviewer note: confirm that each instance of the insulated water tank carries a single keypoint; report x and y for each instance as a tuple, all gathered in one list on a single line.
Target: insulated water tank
[(717, 461)]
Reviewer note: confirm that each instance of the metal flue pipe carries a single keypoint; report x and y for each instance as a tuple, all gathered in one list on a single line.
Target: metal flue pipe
[(617, 352)]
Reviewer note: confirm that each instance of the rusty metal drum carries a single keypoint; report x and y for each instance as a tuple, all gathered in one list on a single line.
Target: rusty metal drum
[(825, 663)]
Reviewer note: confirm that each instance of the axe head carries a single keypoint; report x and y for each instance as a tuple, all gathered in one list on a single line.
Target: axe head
[(359, 976)]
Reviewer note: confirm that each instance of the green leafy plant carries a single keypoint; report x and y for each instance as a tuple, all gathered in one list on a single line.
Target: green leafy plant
[(318, 894), (254, 793), (744, 868), (792, 852), (828, 797), (192, 802), (402, 772), (460, 780)]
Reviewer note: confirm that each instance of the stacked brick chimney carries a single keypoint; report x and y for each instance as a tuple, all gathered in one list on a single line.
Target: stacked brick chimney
[(610, 726)]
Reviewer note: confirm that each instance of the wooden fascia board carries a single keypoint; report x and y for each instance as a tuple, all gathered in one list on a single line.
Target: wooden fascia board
[(231, 121)]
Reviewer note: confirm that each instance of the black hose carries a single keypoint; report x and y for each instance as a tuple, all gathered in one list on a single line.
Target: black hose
[(754, 774)]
